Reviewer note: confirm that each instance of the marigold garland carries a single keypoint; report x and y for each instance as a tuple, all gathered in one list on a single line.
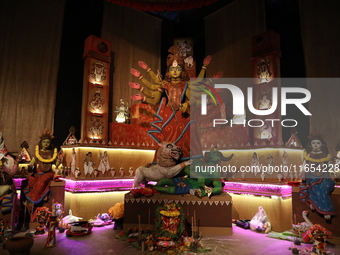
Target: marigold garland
[(305, 155), (170, 213), (50, 160)]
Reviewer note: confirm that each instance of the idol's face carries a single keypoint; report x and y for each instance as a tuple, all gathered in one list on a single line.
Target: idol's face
[(316, 145), (46, 143), (175, 72)]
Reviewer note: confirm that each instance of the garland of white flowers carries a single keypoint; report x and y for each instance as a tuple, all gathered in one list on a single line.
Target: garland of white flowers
[(50, 160)]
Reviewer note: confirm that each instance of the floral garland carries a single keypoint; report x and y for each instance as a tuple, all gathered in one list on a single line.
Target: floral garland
[(55, 154), (305, 155)]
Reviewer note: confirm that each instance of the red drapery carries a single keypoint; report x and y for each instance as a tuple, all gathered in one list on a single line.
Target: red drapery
[(161, 5)]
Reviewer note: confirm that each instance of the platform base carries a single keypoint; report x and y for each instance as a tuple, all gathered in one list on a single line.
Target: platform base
[(213, 215)]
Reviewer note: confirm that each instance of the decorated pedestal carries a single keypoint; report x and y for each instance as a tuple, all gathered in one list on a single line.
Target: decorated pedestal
[(212, 215)]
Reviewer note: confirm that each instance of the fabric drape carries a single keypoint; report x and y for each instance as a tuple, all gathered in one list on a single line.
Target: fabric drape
[(228, 35), (134, 36), (321, 43), (29, 62)]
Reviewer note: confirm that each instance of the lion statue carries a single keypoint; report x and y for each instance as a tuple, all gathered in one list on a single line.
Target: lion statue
[(167, 156)]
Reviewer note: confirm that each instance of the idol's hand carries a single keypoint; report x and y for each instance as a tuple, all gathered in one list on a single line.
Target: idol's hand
[(184, 107), (218, 74), (207, 60), (143, 65), (135, 72), (136, 97), (134, 85)]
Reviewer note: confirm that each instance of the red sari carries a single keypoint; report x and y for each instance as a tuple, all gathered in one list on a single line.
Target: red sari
[(172, 125), (39, 182)]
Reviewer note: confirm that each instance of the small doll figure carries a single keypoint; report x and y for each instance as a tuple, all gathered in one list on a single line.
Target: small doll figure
[(270, 162), (57, 210), (130, 171), (73, 162), (255, 163), (122, 172), (122, 111), (317, 186), (77, 172), (88, 164), (113, 171), (96, 173), (104, 164)]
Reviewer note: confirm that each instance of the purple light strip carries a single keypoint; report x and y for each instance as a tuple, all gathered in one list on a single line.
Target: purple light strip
[(78, 186), (97, 185), (258, 189)]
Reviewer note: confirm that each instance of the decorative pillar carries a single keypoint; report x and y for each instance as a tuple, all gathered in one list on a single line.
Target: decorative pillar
[(95, 103), (266, 75)]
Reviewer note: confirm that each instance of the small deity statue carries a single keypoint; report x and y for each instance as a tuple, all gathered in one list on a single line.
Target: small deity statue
[(97, 102), (40, 170), (122, 111), (88, 164), (57, 210), (77, 172), (266, 131), (104, 164), (72, 140), (255, 163), (317, 181), (113, 171), (24, 155), (264, 102), (96, 173), (285, 164), (73, 162), (263, 70), (121, 171), (130, 171), (270, 162)]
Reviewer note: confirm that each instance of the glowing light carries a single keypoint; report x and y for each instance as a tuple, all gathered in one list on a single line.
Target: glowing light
[(267, 190), (76, 186)]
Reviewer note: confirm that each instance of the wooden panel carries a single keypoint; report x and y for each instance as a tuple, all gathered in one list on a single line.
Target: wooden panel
[(88, 205), (279, 211)]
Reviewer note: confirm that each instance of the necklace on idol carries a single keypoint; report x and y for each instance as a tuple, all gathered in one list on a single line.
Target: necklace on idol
[(50, 160)]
